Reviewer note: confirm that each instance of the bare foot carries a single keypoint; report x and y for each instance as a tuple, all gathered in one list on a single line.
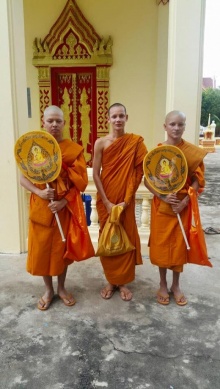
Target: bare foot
[(108, 291), (125, 293)]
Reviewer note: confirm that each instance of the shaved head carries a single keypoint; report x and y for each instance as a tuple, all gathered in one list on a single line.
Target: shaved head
[(175, 113), (54, 122), (116, 105), (53, 109)]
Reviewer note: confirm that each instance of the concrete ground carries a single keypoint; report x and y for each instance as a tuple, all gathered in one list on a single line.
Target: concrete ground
[(114, 344)]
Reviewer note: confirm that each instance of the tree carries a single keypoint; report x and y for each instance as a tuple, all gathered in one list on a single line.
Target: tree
[(211, 105)]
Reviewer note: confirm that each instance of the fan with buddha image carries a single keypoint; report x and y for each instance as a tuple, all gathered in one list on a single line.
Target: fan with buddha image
[(38, 156), (165, 170)]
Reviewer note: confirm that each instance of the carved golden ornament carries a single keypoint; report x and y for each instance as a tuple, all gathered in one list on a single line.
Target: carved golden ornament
[(164, 2), (66, 113), (72, 40), (102, 111), (44, 73), (84, 110), (44, 98), (102, 73)]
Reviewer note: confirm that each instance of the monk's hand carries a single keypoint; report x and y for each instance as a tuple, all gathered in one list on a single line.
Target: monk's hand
[(123, 204), (108, 206), (46, 194), (182, 204), (56, 206), (170, 198)]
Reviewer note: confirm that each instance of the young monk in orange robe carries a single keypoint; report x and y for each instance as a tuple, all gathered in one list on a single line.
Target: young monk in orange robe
[(48, 255), (117, 173), (167, 246)]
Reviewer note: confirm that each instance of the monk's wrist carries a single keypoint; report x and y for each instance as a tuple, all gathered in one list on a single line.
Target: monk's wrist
[(64, 201), (162, 197), (38, 192), (186, 200)]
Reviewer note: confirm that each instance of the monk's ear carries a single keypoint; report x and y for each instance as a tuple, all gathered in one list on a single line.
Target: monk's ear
[(126, 118), (164, 126)]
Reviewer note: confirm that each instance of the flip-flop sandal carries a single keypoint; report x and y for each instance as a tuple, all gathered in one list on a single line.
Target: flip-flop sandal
[(106, 289), (212, 231), (163, 299), (43, 305), (124, 293), (68, 300), (179, 298)]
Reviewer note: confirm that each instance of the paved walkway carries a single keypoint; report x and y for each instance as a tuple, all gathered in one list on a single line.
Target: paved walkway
[(114, 344)]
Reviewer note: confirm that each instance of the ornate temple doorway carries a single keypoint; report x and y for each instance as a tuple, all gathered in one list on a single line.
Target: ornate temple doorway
[(73, 64)]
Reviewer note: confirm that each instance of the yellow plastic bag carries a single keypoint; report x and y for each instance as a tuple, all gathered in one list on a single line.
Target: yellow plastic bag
[(113, 239)]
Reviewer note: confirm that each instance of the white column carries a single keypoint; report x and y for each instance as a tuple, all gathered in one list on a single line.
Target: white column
[(158, 135), (13, 113), (144, 229), (94, 226), (185, 62)]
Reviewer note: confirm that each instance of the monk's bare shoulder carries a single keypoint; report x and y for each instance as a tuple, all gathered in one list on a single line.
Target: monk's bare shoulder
[(103, 142)]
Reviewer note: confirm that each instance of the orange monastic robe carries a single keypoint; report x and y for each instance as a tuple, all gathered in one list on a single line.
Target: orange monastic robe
[(122, 171), (47, 254), (166, 242)]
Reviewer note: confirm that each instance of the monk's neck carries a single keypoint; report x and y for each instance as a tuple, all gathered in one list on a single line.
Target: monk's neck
[(115, 135), (59, 139), (173, 142)]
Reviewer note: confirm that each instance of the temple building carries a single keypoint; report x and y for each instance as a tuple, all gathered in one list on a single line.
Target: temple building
[(84, 55)]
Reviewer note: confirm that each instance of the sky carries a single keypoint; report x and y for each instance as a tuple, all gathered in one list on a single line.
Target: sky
[(211, 59)]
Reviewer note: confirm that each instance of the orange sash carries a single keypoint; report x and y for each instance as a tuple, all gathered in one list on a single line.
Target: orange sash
[(78, 241), (198, 251)]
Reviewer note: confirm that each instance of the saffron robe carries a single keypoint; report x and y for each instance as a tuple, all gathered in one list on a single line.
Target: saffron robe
[(48, 255), (122, 172), (167, 246)]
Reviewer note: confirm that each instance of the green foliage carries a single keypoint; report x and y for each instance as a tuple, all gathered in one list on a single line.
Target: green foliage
[(210, 105), (216, 118), (217, 129)]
